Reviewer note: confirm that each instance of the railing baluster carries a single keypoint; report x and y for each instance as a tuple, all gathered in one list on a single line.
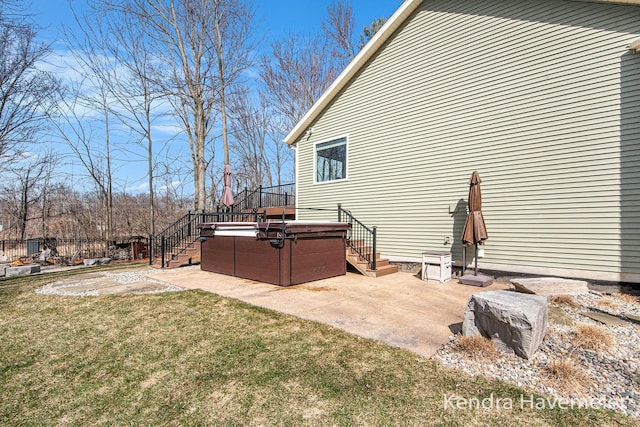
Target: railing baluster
[(360, 238)]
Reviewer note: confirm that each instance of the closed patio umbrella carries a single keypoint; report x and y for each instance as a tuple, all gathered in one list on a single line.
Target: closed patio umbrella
[(227, 194), (475, 231)]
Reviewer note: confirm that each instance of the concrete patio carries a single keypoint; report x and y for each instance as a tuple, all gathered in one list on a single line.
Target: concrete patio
[(399, 309)]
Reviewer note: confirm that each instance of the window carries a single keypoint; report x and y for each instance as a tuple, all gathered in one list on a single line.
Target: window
[(331, 160)]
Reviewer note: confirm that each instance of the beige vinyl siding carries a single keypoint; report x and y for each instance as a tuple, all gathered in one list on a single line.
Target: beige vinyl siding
[(541, 98)]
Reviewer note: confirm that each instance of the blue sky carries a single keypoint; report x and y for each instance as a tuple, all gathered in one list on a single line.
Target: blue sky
[(278, 17), (274, 20)]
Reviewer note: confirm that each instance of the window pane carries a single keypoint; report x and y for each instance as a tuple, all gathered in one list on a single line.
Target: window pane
[(331, 158)]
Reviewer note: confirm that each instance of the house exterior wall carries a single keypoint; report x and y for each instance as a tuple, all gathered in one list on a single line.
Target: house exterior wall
[(541, 98)]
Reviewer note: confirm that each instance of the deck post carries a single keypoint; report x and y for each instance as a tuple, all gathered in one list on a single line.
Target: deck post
[(373, 245), (162, 250)]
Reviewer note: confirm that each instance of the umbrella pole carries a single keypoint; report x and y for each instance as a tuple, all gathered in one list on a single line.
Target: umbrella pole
[(464, 258), (476, 257)]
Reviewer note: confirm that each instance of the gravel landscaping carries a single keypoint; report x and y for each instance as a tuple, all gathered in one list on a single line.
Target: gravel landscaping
[(94, 284), (601, 378)]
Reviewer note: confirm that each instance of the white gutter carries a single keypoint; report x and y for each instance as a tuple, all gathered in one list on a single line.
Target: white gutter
[(387, 30)]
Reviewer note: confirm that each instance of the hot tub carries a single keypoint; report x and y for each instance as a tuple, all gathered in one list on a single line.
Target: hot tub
[(283, 253)]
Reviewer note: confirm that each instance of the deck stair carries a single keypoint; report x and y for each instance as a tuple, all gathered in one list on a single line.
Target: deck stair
[(361, 247), (178, 244), (383, 267), (187, 256)]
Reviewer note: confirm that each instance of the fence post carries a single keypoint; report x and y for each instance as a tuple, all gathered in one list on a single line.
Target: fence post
[(373, 263), (260, 196)]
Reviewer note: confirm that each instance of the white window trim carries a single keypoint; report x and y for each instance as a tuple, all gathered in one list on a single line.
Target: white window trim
[(315, 160)]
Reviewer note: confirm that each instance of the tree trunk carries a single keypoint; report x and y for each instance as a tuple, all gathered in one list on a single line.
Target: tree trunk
[(24, 207)]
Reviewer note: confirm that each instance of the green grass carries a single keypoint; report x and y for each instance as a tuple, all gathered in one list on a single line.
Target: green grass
[(194, 358)]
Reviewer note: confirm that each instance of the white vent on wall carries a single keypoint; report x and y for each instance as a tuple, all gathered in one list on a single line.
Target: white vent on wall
[(635, 45)]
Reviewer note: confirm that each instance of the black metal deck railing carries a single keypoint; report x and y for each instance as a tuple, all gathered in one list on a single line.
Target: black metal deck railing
[(360, 238), (176, 238), (179, 236), (265, 197)]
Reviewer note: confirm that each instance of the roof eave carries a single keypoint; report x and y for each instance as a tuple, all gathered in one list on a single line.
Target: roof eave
[(387, 30)]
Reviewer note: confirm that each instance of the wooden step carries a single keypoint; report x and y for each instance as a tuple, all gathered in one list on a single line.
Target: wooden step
[(383, 271), (383, 267), (180, 260), (381, 262), (184, 258)]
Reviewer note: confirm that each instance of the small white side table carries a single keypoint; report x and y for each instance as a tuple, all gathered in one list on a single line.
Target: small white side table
[(436, 265)]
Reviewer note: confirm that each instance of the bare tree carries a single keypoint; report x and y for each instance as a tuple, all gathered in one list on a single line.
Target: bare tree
[(231, 35), (132, 86), (25, 90), (339, 27), (370, 30), (181, 32), (295, 74), (280, 152), (77, 125), (25, 189), (251, 121), (200, 48)]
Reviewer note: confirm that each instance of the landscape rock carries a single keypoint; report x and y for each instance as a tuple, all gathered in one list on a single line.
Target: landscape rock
[(607, 319), (96, 261), (517, 322), (45, 255), (22, 270), (559, 317), (548, 286), (633, 318), (611, 377), (2, 268)]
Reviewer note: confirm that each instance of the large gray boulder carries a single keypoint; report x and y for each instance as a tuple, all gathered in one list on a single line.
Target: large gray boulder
[(96, 261), (22, 270), (517, 322), (550, 286)]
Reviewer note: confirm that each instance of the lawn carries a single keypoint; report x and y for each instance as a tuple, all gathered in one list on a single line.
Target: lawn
[(194, 358)]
